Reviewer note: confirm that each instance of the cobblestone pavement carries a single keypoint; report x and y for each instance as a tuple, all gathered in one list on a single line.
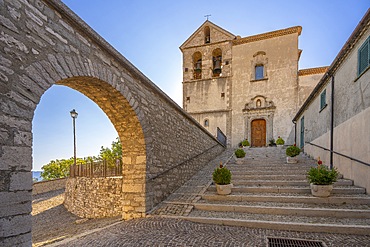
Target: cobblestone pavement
[(52, 222), (162, 228), (158, 231)]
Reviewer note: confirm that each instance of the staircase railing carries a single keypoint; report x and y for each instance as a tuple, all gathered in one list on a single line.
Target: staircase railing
[(343, 155)]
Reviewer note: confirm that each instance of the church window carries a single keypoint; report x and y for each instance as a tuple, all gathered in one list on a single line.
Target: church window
[(259, 72), (222, 95), (186, 69), (364, 56), (258, 103), (207, 35), (197, 65), (206, 123), (187, 99), (323, 100), (217, 62)]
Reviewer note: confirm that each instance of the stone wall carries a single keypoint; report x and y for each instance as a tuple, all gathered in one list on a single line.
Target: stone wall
[(44, 43), (46, 186), (94, 197)]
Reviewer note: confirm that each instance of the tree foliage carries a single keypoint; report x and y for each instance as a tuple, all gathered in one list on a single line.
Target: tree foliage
[(60, 168), (111, 154)]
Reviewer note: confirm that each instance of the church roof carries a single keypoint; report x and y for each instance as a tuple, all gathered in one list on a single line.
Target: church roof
[(211, 24), (312, 71), (236, 40), (268, 35)]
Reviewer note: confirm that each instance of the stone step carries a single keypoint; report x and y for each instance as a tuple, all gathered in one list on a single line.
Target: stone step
[(290, 198), (297, 190), (267, 172), (292, 211), (272, 167), (279, 223), (291, 205), (270, 177), (258, 182)]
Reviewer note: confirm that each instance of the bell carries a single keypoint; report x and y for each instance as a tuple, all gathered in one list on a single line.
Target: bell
[(198, 65), (217, 68), (207, 39)]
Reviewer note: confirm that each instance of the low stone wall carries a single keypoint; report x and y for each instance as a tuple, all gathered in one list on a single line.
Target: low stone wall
[(49, 185), (94, 197)]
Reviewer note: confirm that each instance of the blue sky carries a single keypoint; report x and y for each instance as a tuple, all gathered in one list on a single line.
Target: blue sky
[(149, 33)]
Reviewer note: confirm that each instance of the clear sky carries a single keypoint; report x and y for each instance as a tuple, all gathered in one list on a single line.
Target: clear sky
[(148, 33)]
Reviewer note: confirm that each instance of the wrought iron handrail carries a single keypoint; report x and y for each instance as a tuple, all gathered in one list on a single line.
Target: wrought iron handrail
[(180, 164), (346, 156)]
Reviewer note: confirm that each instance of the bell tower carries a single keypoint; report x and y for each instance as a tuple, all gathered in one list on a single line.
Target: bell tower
[(207, 64)]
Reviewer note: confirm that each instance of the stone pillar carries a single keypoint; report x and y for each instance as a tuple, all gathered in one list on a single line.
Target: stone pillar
[(133, 188), (15, 196)]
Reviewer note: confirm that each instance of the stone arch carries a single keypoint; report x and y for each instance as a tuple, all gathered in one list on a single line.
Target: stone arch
[(130, 131), (43, 43)]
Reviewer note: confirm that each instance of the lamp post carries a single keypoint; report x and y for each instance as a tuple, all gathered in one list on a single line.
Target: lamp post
[(74, 115)]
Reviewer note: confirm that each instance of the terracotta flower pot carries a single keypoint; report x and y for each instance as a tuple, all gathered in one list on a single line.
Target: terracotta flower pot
[(224, 189), (321, 190)]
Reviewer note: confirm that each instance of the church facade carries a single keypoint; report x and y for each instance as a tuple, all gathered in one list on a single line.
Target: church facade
[(248, 87)]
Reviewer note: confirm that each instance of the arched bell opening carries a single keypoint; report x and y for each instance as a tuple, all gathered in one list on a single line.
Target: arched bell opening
[(207, 35), (217, 62), (197, 65)]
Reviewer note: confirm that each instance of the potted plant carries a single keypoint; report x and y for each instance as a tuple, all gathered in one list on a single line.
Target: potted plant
[(321, 179), (292, 152), (239, 154), (280, 142), (222, 178), (272, 143), (246, 144)]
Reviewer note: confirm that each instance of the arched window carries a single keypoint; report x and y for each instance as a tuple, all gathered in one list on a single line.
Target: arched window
[(207, 35), (197, 65), (217, 62), (206, 123), (259, 66)]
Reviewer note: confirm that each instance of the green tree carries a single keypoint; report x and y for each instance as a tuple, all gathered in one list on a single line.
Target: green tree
[(113, 153), (59, 168)]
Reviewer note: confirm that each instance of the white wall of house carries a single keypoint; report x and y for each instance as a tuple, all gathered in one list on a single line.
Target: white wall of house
[(351, 119)]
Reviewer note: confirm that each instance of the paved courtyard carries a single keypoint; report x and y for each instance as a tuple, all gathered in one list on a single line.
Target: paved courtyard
[(54, 226)]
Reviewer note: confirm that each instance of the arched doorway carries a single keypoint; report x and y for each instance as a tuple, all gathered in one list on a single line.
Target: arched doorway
[(258, 133)]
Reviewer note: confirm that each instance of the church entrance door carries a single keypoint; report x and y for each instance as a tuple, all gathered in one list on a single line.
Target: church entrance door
[(258, 133)]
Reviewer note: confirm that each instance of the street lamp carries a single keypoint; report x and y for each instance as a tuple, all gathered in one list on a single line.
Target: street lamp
[(74, 115)]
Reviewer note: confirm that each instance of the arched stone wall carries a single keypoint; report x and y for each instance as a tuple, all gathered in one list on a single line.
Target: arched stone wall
[(43, 43)]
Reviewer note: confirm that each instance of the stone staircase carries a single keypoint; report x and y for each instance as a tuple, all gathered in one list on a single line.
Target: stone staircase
[(268, 193)]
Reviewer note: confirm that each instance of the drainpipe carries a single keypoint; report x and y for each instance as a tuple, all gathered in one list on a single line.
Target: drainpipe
[(295, 131), (332, 122)]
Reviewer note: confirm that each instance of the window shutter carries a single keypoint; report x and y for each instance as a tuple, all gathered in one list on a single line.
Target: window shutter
[(323, 99), (363, 57)]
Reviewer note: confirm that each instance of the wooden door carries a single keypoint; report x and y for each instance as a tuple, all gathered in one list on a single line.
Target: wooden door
[(259, 133)]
